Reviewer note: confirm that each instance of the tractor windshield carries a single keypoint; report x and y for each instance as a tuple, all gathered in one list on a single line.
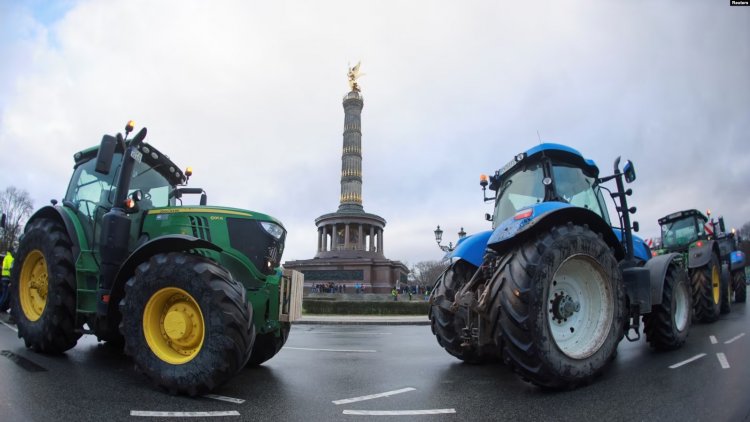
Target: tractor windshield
[(154, 186), (520, 190), (681, 233), (577, 189)]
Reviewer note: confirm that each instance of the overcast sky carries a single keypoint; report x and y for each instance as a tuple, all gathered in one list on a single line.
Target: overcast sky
[(249, 94)]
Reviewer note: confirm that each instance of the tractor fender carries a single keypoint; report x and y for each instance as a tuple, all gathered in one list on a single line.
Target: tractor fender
[(68, 220), (546, 215), (737, 260), (162, 244), (657, 268), (471, 248), (699, 256)]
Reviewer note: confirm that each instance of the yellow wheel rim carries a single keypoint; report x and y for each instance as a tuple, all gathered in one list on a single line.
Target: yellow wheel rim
[(33, 285), (715, 283), (173, 325)]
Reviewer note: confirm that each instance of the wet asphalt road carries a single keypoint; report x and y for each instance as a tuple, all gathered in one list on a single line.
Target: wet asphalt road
[(94, 382)]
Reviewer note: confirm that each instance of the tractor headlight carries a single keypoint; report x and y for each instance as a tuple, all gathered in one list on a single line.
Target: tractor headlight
[(273, 229)]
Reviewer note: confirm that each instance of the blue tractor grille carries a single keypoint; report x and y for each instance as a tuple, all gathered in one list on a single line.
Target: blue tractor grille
[(249, 237)]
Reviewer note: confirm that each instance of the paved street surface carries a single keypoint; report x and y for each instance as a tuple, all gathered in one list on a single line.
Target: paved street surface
[(358, 372)]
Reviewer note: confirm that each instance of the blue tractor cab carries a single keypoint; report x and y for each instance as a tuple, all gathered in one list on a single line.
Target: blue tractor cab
[(554, 286)]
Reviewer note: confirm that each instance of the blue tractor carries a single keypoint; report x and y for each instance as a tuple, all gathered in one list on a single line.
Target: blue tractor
[(554, 287)]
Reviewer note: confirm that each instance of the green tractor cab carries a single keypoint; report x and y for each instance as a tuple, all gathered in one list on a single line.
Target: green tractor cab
[(193, 293)]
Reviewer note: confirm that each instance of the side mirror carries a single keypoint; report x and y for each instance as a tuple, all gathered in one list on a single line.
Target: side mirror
[(722, 227), (636, 226), (105, 154), (2, 222), (204, 198), (629, 171), (487, 216)]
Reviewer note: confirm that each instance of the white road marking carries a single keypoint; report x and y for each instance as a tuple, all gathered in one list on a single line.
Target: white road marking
[(398, 412), (224, 398), (183, 414), (9, 326), (331, 350), (723, 360), (734, 338), (373, 396), (713, 339), (684, 362)]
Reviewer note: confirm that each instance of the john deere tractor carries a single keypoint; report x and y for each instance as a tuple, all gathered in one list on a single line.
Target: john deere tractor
[(554, 287), (691, 234), (192, 293)]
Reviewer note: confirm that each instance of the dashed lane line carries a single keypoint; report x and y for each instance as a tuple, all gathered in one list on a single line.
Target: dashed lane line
[(330, 350), (399, 412), (373, 396), (224, 398), (152, 414), (713, 339), (737, 337), (685, 362), (723, 360)]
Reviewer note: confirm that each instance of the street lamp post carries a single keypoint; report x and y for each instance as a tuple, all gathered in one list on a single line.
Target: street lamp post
[(439, 238)]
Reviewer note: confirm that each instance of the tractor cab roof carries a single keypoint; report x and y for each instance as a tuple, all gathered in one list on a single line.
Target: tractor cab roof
[(561, 154), (150, 155), (679, 215)]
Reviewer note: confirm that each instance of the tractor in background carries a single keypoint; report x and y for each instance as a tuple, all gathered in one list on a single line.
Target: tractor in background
[(554, 287), (710, 256), (192, 293)]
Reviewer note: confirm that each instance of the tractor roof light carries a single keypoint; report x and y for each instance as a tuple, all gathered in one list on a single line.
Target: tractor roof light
[(483, 180), (189, 171), (129, 127)]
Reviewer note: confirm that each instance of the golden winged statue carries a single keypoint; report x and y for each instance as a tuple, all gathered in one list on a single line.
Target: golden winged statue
[(353, 74)]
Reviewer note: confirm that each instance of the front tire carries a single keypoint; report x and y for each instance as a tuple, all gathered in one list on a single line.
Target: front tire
[(667, 325), (447, 326), (739, 286), (186, 323), (43, 288), (563, 307), (706, 283)]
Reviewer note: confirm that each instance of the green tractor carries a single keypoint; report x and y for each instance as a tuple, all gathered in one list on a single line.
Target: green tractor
[(192, 293), (690, 234)]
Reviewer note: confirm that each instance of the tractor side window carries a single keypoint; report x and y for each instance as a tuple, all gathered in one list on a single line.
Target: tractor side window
[(89, 190), (521, 190), (680, 232), (577, 189)]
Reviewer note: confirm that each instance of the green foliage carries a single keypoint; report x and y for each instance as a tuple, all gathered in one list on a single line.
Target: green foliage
[(316, 306)]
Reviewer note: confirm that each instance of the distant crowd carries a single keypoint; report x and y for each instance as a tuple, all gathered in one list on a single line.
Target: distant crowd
[(360, 288)]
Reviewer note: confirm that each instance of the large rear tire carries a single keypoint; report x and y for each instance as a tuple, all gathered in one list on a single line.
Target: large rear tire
[(269, 344), (562, 307), (739, 286), (447, 326), (706, 287), (43, 288), (726, 291), (667, 325), (186, 323)]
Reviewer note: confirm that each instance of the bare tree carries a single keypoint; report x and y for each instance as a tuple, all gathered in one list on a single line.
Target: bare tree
[(426, 272), (17, 206)]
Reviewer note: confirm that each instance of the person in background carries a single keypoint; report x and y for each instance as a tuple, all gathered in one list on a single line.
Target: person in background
[(5, 286)]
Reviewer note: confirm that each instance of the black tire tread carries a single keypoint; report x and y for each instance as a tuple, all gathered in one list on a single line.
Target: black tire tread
[(268, 345), (226, 312), (658, 325), (57, 330), (522, 308), (739, 286), (704, 309)]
